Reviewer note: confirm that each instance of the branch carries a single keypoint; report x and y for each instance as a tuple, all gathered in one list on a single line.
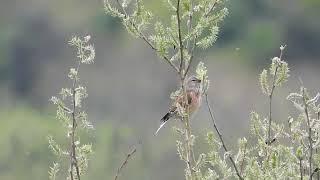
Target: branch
[(270, 106), (144, 38), (318, 172), (186, 120), (73, 156), (211, 8), (309, 132), (221, 139), (125, 162), (189, 24), (180, 40), (196, 37), (243, 159), (300, 167), (269, 140)]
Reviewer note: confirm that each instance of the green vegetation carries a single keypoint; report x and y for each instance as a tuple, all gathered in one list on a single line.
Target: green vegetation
[(274, 153), (66, 145)]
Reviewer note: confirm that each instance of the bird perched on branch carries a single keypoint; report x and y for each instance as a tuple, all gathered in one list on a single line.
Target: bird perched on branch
[(194, 92)]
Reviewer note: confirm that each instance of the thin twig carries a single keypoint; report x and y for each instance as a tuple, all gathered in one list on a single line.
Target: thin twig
[(189, 24), (243, 159), (191, 56), (73, 156), (309, 132), (180, 39), (221, 139), (144, 38), (318, 172), (189, 150), (125, 162), (211, 8), (300, 167), (269, 140), (196, 37), (270, 105)]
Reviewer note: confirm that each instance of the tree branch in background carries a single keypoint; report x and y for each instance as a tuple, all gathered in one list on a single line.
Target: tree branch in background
[(125, 162), (221, 139)]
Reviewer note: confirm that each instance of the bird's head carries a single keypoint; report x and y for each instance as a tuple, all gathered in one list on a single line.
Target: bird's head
[(193, 82)]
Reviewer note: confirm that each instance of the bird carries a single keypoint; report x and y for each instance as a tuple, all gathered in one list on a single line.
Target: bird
[(193, 88)]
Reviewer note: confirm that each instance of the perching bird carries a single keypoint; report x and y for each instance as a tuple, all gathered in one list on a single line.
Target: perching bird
[(194, 93)]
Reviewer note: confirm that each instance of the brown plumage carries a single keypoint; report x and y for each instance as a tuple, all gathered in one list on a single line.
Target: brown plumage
[(193, 90)]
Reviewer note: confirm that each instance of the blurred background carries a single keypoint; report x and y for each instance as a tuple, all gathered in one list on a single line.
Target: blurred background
[(129, 86)]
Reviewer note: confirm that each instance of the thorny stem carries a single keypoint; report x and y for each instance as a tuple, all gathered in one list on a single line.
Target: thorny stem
[(125, 162), (221, 139), (73, 156), (145, 39), (309, 132)]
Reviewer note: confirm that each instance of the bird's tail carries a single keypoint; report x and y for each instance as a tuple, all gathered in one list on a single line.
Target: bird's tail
[(163, 121)]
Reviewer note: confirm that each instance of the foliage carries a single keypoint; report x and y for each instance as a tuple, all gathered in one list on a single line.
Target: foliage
[(25, 155), (193, 24), (196, 26), (276, 152), (290, 153), (73, 118)]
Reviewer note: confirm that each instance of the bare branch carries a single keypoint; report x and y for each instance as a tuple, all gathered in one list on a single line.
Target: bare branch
[(269, 140), (270, 105), (125, 162), (300, 167), (221, 139)]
